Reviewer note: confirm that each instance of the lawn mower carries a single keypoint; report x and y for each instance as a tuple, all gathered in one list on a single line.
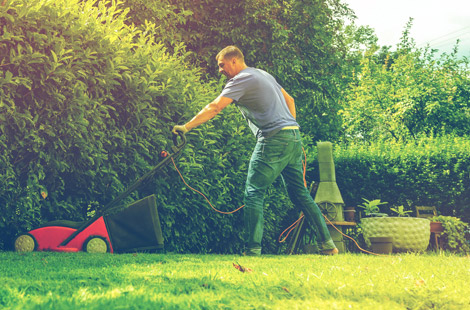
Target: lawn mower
[(116, 228)]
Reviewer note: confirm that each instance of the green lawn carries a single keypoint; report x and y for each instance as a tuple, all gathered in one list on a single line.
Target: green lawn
[(44, 280)]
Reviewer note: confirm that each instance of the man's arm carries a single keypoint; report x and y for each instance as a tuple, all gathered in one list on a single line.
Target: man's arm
[(290, 102), (207, 113)]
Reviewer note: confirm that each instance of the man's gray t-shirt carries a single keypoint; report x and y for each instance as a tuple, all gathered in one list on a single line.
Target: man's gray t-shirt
[(260, 99)]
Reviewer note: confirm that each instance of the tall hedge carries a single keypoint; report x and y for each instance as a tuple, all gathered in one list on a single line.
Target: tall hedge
[(427, 172), (87, 103)]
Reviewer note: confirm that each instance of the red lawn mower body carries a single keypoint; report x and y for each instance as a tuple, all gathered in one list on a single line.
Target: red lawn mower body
[(116, 229), (49, 238)]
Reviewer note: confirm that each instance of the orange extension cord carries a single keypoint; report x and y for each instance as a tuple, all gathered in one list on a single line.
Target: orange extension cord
[(289, 229), (195, 190)]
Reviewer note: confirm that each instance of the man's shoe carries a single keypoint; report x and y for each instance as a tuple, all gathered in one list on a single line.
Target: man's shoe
[(252, 252), (330, 252)]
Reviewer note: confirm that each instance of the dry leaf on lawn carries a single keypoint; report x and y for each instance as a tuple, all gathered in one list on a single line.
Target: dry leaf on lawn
[(241, 268)]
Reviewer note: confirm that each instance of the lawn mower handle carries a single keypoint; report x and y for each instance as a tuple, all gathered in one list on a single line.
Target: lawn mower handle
[(115, 203), (178, 146)]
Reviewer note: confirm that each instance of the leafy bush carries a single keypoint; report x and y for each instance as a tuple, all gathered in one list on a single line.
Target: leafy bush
[(430, 172), (454, 234), (86, 105)]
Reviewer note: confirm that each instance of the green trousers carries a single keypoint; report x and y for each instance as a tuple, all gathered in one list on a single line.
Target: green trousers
[(273, 156)]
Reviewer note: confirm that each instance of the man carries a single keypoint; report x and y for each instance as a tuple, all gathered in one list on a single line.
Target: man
[(270, 112)]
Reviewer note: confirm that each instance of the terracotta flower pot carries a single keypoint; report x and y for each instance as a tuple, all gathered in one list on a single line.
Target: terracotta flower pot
[(349, 213), (436, 227)]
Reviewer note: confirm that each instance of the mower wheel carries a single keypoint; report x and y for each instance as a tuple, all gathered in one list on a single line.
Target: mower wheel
[(96, 245), (25, 243)]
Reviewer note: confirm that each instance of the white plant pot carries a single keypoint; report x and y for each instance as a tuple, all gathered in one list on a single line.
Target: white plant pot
[(410, 234)]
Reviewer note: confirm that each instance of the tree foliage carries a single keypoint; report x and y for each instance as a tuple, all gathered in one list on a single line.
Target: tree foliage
[(299, 42), (410, 93)]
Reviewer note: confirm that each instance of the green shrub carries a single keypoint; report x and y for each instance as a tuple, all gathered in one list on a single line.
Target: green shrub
[(86, 105), (429, 172), (454, 234)]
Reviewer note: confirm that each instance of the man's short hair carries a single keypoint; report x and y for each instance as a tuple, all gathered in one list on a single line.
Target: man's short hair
[(230, 52)]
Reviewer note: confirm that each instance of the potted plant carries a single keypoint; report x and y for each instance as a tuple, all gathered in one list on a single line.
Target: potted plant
[(453, 234), (371, 207), (400, 211), (410, 234)]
